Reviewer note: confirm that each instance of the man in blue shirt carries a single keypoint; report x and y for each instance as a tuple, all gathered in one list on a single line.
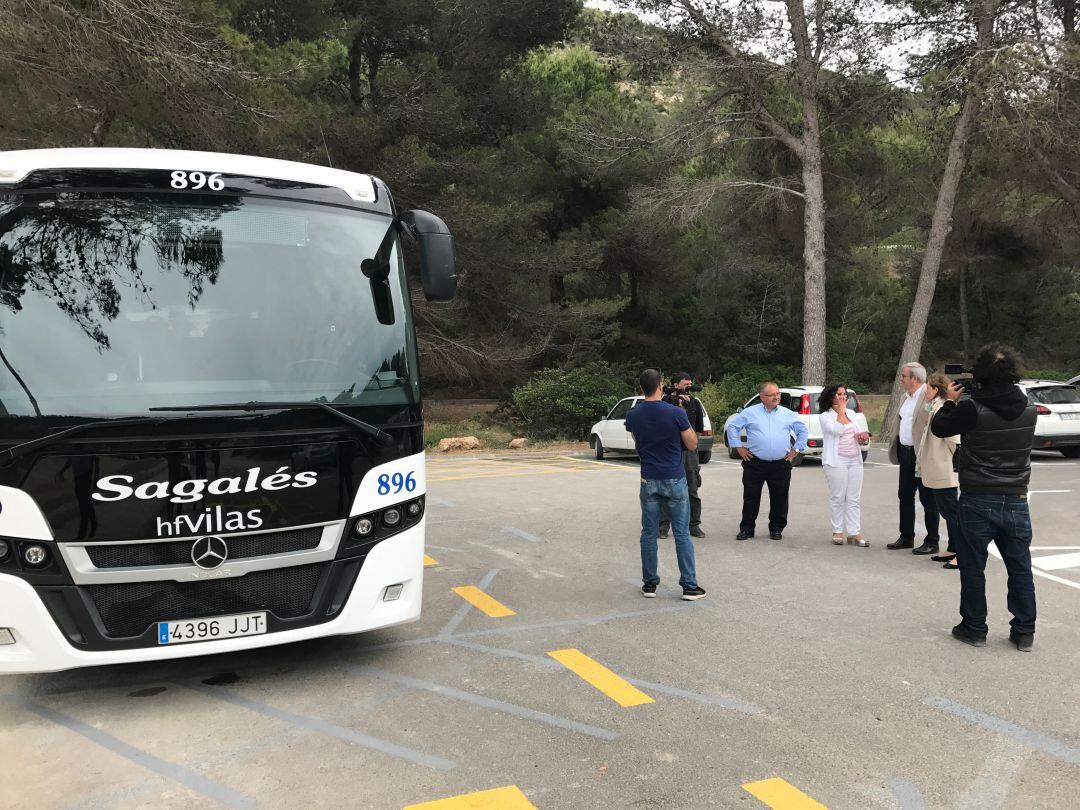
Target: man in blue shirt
[(660, 432), (766, 457)]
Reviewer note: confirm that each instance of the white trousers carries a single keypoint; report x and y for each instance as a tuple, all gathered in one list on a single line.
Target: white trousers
[(845, 491)]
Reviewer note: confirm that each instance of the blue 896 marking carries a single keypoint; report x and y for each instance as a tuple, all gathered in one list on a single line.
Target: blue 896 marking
[(394, 484)]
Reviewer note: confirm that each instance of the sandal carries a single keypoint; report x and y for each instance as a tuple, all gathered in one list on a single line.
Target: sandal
[(951, 566), (838, 539), (943, 557), (857, 540)]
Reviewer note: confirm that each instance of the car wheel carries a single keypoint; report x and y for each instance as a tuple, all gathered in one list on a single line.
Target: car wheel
[(598, 448), (704, 458), (731, 453), (798, 460), (1070, 452)]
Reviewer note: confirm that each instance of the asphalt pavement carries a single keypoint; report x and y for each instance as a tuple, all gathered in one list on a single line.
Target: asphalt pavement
[(811, 675)]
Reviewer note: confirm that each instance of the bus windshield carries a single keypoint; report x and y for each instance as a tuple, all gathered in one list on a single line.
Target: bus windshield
[(117, 303)]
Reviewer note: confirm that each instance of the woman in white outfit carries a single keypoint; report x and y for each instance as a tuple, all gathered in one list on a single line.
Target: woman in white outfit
[(842, 461)]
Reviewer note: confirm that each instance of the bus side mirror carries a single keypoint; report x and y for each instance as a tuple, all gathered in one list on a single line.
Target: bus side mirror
[(437, 272)]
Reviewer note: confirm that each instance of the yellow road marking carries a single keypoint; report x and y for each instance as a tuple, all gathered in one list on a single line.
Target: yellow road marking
[(595, 673), (480, 600), (504, 798), (781, 795), (429, 561), (601, 464)]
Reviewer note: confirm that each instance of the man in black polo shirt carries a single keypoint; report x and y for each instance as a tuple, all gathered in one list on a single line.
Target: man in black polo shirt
[(996, 425)]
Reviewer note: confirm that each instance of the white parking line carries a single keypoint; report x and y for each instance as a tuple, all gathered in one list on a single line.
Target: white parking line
[(993, 549), (1055, 562)]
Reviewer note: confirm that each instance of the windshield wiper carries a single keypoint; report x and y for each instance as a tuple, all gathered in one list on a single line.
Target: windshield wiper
[(380, 436), (19, 450)]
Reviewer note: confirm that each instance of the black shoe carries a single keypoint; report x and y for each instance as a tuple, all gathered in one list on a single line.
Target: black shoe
[(776, 536), (946, 557), (901, 542), (744, 535), (1023, 641), (926, 548), (961, 633), (648, 591), (663, 535), (693, 594), (695, 531)]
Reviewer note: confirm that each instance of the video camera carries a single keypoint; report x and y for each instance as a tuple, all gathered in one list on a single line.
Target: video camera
[(671, 390), (966, 384)]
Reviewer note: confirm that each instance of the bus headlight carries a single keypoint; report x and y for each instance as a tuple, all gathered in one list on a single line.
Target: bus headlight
[(391, 517), (413, 509), (363, 527), (36, 555), (5, 550)]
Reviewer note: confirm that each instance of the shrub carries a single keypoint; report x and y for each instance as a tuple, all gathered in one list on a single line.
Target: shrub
[(564, 403), (725, 396)]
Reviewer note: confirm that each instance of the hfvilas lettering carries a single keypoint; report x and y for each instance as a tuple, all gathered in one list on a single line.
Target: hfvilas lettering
[(211, 521)]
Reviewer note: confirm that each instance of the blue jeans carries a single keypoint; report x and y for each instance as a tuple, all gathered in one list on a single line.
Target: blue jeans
[(673, 493), (1005, 519)]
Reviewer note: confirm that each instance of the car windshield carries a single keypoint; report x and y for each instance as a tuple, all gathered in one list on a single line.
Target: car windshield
[(117, 303), (1055, 395)]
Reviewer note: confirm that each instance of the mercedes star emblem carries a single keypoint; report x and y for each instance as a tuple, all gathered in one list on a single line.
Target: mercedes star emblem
[(209, 552)]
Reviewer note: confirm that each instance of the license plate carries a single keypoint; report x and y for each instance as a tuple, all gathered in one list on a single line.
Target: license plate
[(1071, 415), (187, 630)]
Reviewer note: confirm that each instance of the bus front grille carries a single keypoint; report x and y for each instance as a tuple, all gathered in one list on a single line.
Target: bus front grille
[(128, 609), (178, 552)]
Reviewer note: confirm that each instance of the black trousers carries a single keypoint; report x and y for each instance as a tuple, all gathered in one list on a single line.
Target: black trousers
[(906, 493), (755, 474), (692, 466), (949, 509)]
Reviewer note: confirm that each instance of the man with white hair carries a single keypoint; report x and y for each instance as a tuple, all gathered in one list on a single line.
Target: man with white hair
[(914, 418)]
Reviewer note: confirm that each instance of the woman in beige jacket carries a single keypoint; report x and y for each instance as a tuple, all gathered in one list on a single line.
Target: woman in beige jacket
[(935, 466)]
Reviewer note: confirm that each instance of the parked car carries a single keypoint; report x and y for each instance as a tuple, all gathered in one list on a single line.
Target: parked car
[(1058, 423), (803, 399), (610, 433), (1074, 381)]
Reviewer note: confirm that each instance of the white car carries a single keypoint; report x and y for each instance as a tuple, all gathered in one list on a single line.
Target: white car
[(1074, 381), (610, 433), (1058, 423), (803, 399)]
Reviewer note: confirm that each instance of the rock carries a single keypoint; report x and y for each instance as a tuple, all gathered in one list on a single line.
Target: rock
[(517, 444), (458, 443)]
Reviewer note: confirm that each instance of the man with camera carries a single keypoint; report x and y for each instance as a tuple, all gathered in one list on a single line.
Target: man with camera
[(679, 394), (996, 424), (661, 434)]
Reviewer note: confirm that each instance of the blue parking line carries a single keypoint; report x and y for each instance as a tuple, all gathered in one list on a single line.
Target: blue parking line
[(170, 770)]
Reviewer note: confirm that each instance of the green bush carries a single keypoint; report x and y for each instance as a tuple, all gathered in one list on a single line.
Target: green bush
[(1045, 374), (723, 397), (564, 403)]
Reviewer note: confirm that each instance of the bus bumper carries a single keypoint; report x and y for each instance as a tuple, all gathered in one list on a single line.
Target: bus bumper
[(40, 646)]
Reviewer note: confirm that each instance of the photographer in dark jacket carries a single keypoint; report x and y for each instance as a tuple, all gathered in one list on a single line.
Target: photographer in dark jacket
[(996, 425), (678, 394)]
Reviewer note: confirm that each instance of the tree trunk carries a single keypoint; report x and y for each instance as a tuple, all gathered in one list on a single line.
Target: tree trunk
[(941, 224), (356, 63), (965, 324), (813, 365)]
